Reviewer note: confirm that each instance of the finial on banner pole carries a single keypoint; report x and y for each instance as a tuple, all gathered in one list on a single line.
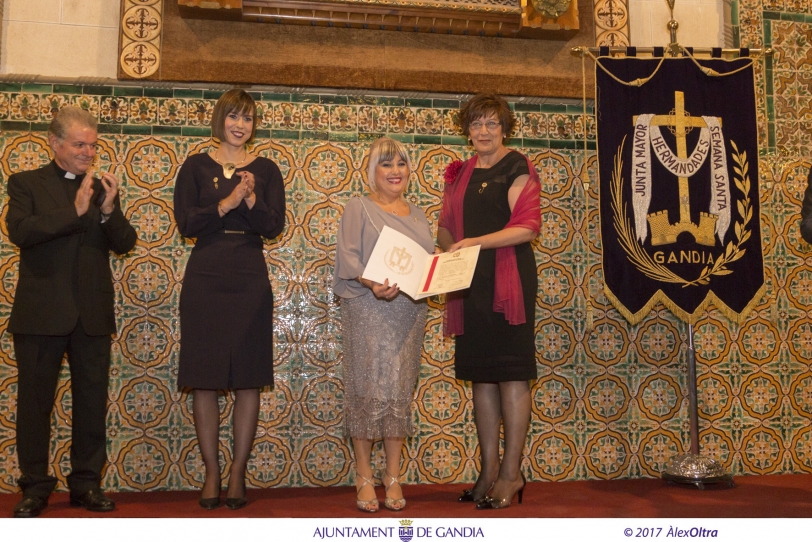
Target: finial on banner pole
[(673, 47)]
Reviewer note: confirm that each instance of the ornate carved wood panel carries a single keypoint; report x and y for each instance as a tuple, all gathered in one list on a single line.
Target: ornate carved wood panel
[(159, 43), (499, 18), (612, 23), (141, 27)]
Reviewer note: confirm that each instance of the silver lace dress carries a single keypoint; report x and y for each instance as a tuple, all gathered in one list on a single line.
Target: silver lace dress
[(382, 340)]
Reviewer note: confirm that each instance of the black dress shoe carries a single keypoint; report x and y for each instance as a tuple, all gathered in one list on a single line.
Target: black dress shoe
[(30, 507), (467, 496), (236, 503), (209, 504), (93, 501)]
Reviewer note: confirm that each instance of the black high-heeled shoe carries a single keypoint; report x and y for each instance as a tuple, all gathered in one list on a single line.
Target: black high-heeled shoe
[(209, 504), (468, 495), (490, 503), (235, 503)]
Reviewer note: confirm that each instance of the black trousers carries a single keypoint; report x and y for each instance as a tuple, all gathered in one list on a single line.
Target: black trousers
[(39, 358)]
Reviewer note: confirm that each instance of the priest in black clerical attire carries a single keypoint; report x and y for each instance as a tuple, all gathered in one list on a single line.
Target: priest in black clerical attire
[(806, 210), (65, 223)]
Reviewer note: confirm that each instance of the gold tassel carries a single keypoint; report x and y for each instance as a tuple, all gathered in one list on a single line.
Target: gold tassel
[(590, 317), (774, 311)]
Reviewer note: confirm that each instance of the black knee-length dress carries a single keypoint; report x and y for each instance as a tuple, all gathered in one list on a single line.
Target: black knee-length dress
[(490, 349), (226, 302)]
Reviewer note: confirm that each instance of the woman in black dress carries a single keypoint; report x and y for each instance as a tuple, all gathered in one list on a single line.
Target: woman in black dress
[(228, 199), (492, 200)]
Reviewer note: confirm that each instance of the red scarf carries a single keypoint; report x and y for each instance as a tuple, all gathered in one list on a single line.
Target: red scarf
[(507, 292)]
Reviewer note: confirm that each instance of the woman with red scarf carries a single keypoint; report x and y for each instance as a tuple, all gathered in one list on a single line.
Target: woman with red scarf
[(492, 200)]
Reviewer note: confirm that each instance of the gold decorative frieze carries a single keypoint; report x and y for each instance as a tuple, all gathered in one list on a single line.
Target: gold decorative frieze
[(501, 18), (497, 6), (611, 23), (140, 49), (212, 4)]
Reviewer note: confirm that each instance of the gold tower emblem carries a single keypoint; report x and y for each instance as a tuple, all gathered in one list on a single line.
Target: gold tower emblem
[(662, 231)]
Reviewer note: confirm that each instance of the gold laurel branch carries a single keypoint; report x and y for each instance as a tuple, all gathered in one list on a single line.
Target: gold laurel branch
[(625, 231), (733, 250)]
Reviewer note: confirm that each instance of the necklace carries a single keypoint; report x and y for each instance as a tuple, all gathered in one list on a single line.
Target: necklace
[(228, 167), (388, 207)]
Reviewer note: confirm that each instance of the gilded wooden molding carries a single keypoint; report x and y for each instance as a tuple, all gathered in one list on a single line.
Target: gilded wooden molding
[(551, 15), (499, 18), (611, 23), (140, 35)]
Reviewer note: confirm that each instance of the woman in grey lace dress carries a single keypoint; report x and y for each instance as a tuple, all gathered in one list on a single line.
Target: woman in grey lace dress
[(382, 328)]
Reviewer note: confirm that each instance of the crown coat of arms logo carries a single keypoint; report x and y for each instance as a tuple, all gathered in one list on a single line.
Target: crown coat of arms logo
[(405, 531), (679, 206)]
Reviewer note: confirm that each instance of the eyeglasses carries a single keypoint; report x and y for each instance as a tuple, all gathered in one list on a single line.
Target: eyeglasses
[(491, 125)]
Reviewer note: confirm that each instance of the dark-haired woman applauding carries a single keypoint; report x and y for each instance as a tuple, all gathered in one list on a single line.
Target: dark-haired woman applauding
[(228, 199)]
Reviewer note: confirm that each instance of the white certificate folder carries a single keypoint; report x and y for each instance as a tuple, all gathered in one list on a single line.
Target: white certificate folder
[(417, 273)]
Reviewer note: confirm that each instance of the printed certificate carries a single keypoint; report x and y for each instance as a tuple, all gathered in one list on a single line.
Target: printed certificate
[(417, 273)]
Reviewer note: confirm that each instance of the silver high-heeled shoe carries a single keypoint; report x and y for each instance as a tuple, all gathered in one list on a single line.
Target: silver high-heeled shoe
[(371, 505), (396, 505)]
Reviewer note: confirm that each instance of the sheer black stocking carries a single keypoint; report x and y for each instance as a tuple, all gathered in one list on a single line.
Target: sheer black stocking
[(206, 413), (246, 414), (497, 403), (515, 400), (487, 416)]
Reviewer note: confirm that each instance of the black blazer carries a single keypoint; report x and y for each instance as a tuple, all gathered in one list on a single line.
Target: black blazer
[(64, 259), (806, 211)]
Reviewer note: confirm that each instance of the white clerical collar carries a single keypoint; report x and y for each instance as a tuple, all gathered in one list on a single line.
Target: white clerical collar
[(69, 175)]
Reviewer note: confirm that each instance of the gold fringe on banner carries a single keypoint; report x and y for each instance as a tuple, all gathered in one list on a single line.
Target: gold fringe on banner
[(687, 317)]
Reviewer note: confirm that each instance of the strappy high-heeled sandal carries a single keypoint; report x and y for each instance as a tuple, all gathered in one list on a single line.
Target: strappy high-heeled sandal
[(371, 505), (396, 505)]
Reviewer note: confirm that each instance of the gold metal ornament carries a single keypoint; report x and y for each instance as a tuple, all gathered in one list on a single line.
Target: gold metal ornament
[(216, 180), (228, 169), (551, 8), (483, 187)]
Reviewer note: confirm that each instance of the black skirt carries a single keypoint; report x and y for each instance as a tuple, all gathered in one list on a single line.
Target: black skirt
[(226, 315)]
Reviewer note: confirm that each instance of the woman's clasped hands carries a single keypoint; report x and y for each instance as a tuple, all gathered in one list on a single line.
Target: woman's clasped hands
[(243, 191)]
